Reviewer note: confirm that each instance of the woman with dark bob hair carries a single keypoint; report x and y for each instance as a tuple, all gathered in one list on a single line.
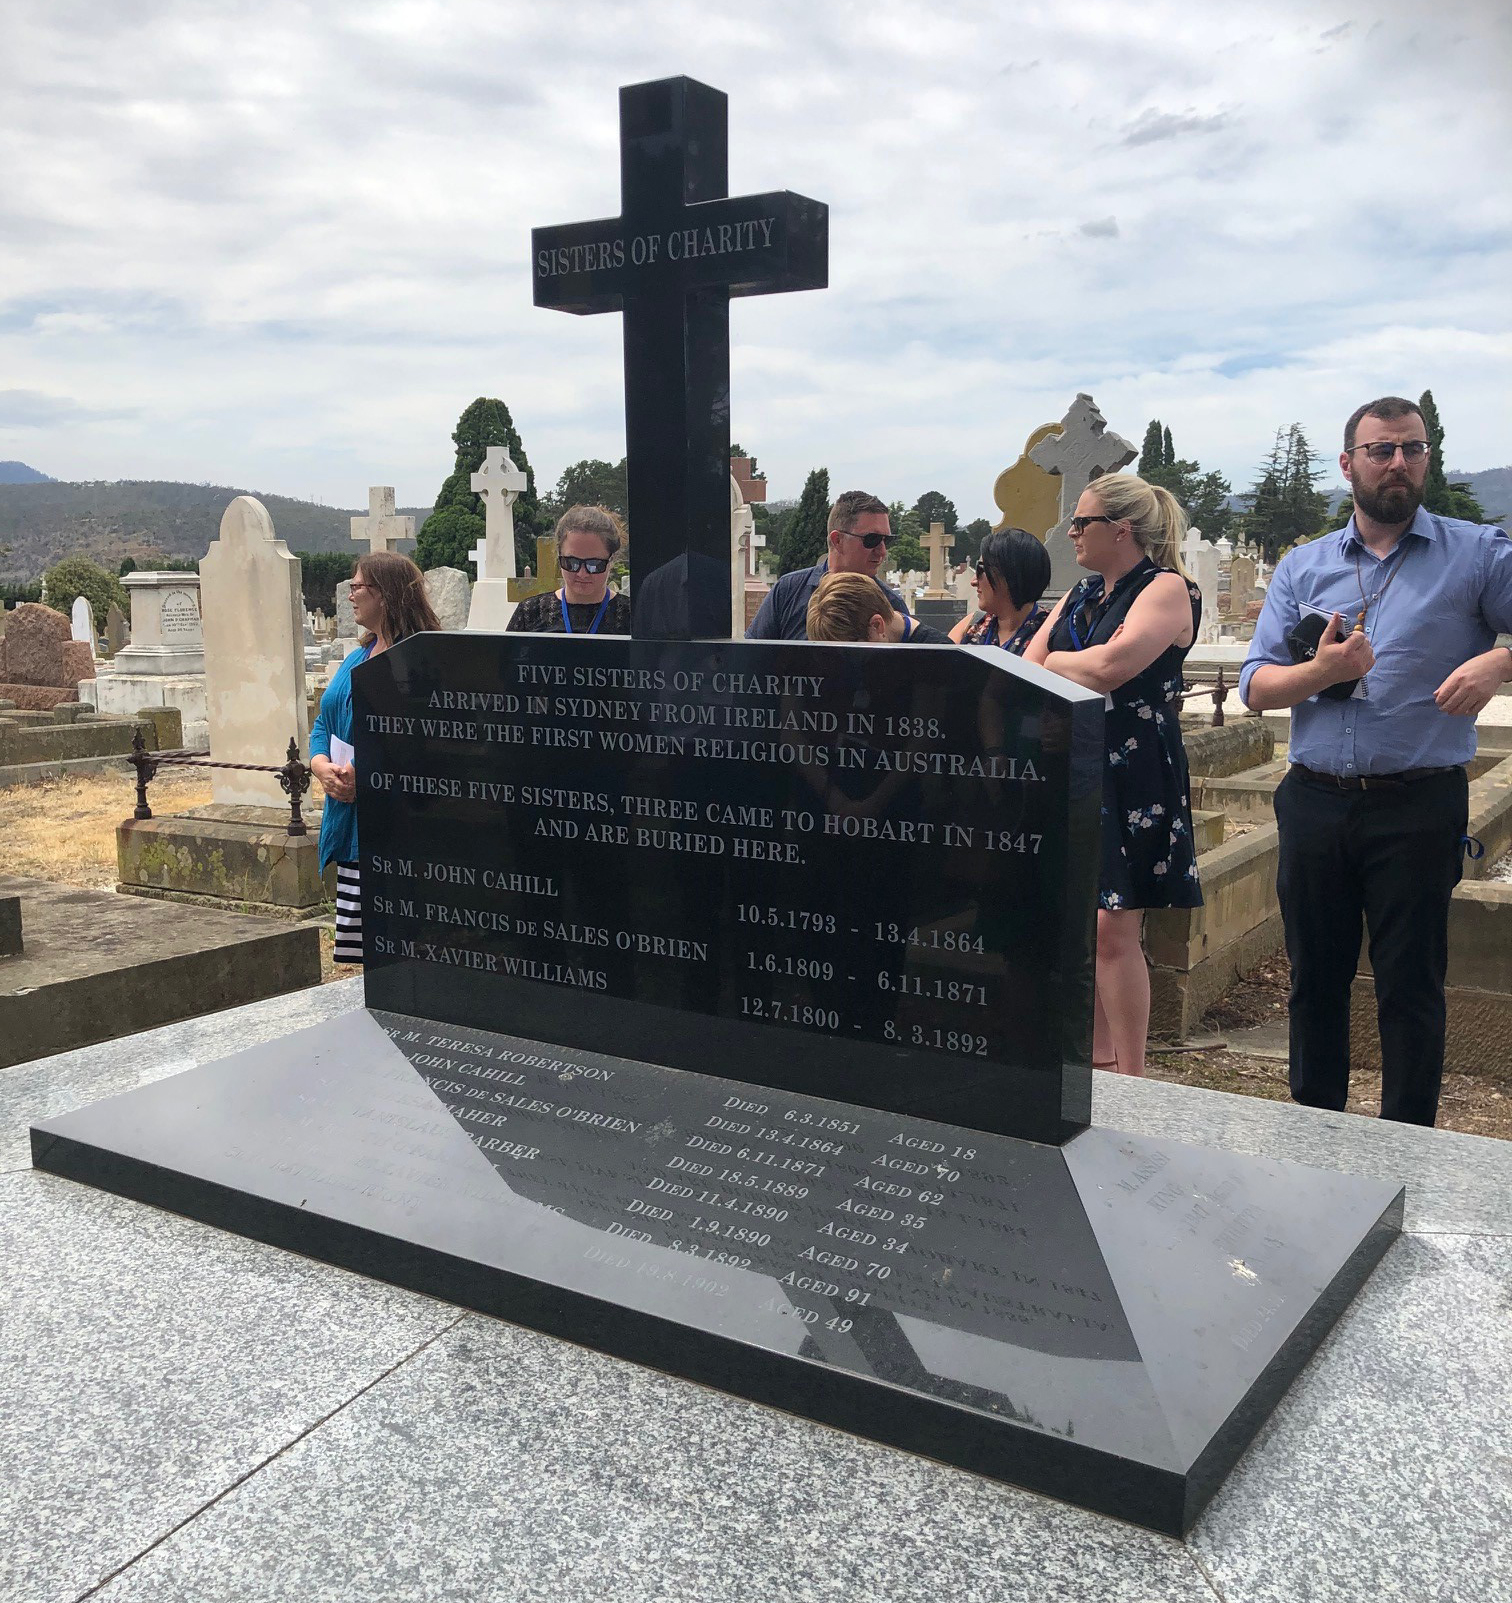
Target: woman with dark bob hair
[(390, 604), (586, 540), (1012, 572)]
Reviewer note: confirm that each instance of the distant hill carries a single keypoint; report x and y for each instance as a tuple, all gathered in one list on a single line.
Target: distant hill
[(19, 473), (40, 523), (1492, 487)]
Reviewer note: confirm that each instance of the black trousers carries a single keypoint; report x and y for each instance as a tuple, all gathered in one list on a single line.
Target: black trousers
[(1390, 858)]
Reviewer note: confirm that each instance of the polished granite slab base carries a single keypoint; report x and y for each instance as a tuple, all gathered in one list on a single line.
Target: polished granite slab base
[(1108, 1322)]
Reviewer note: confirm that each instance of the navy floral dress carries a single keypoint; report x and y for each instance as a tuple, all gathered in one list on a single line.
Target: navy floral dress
[(1149, 858), (983, 631)]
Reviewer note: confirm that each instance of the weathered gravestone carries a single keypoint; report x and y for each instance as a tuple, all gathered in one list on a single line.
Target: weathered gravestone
[(81, 622), (1201, 559), (449, 594), (116, 633), (1083, 450), (793, 945), (381, 528), (163, 666), (939, 605), (254, 653), (499, 482), (41, 665)]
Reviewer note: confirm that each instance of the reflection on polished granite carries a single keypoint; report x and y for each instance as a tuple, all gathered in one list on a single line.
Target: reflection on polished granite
[(1108, 1321), (530, 1468)]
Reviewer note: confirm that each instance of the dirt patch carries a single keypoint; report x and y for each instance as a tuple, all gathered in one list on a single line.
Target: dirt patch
[(1470, 1105), (63, 830)]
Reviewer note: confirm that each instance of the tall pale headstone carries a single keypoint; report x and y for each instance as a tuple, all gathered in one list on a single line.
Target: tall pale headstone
[(937, 543), (1201, 559), (449, 593), (381, 528), (1241, 583), (82, 621), (254, 653), (743, 538), (499, 483), (1083, 450), (116, 632)]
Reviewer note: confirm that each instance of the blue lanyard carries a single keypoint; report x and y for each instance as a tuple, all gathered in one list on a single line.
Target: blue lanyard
[(1077, 643), (598, 616), (907, 628)]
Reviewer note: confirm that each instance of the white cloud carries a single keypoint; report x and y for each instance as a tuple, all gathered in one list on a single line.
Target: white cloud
[(286, 247)]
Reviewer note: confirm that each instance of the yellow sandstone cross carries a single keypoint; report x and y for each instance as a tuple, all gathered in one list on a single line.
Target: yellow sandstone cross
[(548, 575)]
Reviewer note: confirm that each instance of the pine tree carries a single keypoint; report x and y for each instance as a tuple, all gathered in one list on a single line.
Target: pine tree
[(1168, 451), (456, 525), (806, 538), (1151, 453)]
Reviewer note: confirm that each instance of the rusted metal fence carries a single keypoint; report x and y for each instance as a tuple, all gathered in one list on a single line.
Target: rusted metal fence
[(293, 777), (1218, 690)]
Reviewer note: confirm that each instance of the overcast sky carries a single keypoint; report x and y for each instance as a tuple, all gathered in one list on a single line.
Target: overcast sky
[(281, 246)]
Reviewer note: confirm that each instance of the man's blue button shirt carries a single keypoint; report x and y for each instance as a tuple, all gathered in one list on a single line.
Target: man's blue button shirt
[(1448, 602)]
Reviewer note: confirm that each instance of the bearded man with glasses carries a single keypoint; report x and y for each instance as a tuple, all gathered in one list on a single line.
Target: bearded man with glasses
[(859, 532), (1380, 638)]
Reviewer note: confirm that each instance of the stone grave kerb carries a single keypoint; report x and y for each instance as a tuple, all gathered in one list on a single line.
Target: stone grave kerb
[(381, 528), (253, 618), (1084, 450), (499, 483)]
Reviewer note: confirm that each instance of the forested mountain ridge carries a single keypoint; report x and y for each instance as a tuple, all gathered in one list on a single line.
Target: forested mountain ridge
[(40, 524)]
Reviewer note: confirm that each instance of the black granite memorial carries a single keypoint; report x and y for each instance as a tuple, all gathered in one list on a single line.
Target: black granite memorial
[(844, 895), (728, 1005), (680, 248)]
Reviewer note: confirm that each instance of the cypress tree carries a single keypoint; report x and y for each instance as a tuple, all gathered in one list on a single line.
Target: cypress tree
[(1168, 452), (1152, 452), (456, 524), (1436, 490), (806, 538)]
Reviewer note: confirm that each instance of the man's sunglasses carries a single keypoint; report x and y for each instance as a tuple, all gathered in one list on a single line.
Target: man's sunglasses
[(583, 564), (1382, 451), (870, 541)]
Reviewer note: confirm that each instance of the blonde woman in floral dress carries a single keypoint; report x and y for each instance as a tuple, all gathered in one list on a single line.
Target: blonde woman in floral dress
[(1125, 630)]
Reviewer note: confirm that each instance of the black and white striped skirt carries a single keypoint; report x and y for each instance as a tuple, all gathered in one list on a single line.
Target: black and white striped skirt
[(348, 914)]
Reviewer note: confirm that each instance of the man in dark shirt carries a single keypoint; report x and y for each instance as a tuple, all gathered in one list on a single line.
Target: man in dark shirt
[(859, 532)]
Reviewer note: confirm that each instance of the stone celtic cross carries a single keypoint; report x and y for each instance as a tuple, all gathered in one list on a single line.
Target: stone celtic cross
[(380, 528), (499, 482), (680, 248)]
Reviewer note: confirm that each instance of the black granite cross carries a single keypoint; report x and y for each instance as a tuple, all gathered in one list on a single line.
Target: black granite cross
[(670, 261)]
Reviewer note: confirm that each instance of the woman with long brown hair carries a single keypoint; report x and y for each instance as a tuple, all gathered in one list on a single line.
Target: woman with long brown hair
[(390, 603)]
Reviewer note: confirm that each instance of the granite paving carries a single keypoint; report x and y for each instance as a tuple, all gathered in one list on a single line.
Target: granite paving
[(188, 1415)]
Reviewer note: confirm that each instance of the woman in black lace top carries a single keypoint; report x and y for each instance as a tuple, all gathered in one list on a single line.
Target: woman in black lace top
[(586, 541)]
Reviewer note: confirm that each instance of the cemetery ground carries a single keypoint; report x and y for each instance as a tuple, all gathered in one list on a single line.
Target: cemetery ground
[(64, 831)]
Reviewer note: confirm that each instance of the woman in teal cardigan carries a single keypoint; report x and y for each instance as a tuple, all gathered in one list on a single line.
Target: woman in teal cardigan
[(389, 602)]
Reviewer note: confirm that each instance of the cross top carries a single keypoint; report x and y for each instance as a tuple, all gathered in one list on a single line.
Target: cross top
[(1084, 450), (938, 543), (680, 248), (380, 528), (498, 479)]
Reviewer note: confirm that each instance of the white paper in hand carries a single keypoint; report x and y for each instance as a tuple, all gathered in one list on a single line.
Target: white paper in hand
[(343, 752)]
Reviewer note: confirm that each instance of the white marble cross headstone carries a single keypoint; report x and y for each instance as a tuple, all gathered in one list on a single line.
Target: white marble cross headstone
[(380, 528), (499, 482), (937, 543), (1084, 450)]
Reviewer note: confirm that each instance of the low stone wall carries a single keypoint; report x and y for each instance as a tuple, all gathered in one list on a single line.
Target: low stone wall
[(1491, 820), (1240, 744), (1479, 992), (47, 742), (1196, 953)]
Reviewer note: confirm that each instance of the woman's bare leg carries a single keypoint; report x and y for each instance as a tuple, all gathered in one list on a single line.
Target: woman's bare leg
[(1123, 988)]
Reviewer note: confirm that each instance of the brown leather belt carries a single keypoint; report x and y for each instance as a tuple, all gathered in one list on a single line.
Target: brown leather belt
[(1407, 776)]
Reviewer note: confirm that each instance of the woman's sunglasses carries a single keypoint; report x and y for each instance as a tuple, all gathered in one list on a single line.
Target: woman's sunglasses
[(583, 564)]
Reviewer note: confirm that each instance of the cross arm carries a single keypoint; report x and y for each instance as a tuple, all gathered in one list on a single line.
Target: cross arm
[(749, 245)]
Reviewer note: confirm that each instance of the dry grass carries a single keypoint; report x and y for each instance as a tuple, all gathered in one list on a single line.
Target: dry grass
[(64, 830)]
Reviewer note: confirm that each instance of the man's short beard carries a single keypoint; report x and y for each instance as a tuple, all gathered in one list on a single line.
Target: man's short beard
[(1389, 503)]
